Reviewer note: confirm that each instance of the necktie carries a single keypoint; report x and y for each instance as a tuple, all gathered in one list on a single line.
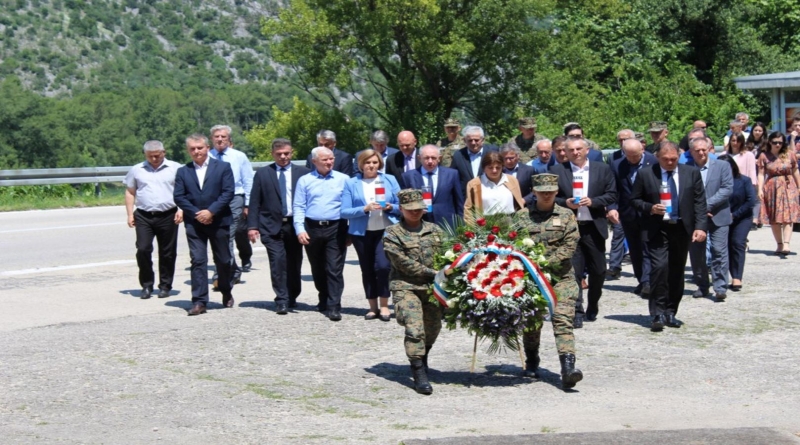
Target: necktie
[(282, 184), (673, 191), (430, 181)]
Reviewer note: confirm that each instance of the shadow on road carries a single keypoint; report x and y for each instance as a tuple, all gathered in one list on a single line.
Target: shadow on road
[(642, 320)]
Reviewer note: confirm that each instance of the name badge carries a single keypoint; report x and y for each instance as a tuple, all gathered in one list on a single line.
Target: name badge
[(557, 222)]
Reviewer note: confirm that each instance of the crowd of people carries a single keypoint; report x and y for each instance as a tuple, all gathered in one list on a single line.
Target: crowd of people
[(662, 202)]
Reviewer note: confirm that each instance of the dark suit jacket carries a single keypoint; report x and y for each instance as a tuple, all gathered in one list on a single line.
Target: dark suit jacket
[(691, 198), (265, 213), (396, 164), (342, 162), (622, 170), (215, 196), (602, 189), (448, 201), (463, 166), (524, 174)]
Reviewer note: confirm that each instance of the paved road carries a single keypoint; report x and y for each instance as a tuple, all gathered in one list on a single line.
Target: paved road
[(85, 361)]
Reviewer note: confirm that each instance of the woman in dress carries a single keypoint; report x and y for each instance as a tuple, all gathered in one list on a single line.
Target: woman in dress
[(777, 188), (757, 143), (742, 201), (492, 192), (369, 216)]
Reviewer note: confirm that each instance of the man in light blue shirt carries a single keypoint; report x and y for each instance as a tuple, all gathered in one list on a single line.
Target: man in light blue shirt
[(243, 183), (319, 227), (544, 150)]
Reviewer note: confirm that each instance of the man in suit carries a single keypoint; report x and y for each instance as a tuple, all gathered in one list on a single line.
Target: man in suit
[(342, 160), (617, 252), (203, 190), (522, 172), (625, 171), (405, 160), (574, 130), (467, 161), (544, 152), (668, 237), (718, 184), (448, 201), (590, 210), (379, 141), (270, 219)]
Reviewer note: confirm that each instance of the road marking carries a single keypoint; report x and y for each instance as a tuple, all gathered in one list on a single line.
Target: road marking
[(39, 229), (9, 273)]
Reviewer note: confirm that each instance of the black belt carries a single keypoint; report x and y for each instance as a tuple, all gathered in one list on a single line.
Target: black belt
[(157, 214), (315, 223)]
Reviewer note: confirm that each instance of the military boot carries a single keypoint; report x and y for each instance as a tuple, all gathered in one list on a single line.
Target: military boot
[(569, 374), (531, 363), (425, 357), (421, 384)]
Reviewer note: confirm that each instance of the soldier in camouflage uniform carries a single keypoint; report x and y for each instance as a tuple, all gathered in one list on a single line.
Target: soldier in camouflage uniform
[(452, 143), (409, 246), (557, 229), (525, 140)]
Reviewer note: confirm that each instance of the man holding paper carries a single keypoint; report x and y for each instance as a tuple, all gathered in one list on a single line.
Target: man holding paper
[(587, 188)]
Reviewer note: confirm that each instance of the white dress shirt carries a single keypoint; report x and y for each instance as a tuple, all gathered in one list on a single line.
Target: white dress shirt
[(201, 172), (497, 198), (434, 179), (475, 160), (583, 211), (287, 173)]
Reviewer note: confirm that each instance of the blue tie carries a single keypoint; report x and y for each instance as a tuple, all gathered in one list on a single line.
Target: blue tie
[(282, 184), (673, 191), (430, 181)]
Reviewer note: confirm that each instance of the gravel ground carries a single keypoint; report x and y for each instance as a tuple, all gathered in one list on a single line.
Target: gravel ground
[(247, 375)]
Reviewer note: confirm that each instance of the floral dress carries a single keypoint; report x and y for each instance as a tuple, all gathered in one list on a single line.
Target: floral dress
[(780, 191)]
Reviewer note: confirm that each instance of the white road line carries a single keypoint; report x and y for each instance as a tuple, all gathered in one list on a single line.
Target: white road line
[(9, 273), (39, 229)]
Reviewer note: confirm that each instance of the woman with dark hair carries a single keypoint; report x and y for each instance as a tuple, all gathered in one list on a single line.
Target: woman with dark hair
[(742, 201), (744, 158), (758, 137), (778, 179), (492, 192)]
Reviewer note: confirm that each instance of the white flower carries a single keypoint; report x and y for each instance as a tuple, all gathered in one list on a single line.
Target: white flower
[(527, 242), (452, 303), (450, 255), (547, 275)]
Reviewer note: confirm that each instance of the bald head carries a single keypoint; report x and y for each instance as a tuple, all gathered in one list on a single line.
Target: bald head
[(633, 150), (406, 142)]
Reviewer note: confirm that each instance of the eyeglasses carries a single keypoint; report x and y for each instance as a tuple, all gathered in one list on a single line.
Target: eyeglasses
[(776, 142)]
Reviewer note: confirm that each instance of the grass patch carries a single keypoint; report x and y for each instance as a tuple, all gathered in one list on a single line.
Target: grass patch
[(547, 429), (127, 361), (208, 377), (20, 198), (405, 426), (263, 392), (365, 402)]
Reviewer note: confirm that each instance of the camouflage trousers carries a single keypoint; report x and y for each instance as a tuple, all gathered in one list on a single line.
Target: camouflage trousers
[(421, 318), (567, 292)]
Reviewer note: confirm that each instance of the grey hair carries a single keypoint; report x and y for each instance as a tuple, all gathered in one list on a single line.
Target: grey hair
[(197, 137), (505, 148), (736, 123), (430, 147), (326, 135), (742, 114), (318, 151), (380, 136), (626, 130), (694, 141), (217, 128), (153, 146), (279, 143), (471, 129), (536, 144)]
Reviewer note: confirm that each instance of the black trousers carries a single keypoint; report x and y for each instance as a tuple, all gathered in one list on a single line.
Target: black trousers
[(737, 240), (199, 236), (162, 227), (669, 249), (326, 255), (243, 241), (375, 267), (285, 262), (639, 252), (590, 256)]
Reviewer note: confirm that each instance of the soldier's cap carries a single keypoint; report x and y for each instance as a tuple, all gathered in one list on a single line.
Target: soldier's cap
[(527, 122), (452, 123), (545, 182), (411, 199), (657, 126), (638, 135)]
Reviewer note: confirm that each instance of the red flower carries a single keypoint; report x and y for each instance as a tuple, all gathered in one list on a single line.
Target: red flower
[(495, 230), (469, 234), (472, 275), (479, 267), (491, 256), (457, 247), (504, 266), (481, 222), (512, 235), (509, 280), (518, 294), (491, 238), (494, 274), (479, 295), (516, 274), (486, 282), (496, 291)]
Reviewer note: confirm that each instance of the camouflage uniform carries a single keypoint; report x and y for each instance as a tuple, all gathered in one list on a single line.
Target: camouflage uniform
[(558, 231), (527, 153), (411, 255), (448, 148)]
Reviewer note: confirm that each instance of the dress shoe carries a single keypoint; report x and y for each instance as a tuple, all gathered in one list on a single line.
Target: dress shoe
[(334, 315), (247, 266), (227, 300), (237, 277), (163, 293), (613, 274), (282, 308), (577, 323), (638, 289), (671, 321), (720, 296), (570, 375), (421, 383), (591, 316), (197, 309), (292, 304), (699, 293), (646, 290), (658, 324), (146, 293)]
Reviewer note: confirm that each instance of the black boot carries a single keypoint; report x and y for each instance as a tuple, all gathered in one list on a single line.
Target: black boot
[(531, 363), (569, 374), (421, 384), (425, 357)]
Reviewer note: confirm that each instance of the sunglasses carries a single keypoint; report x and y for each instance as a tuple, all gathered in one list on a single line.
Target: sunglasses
[(776, 142)]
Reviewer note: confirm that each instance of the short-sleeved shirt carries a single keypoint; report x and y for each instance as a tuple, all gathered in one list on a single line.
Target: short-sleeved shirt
[(153, 186)]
